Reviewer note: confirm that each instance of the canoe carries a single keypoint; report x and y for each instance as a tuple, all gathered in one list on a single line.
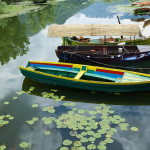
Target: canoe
[(88, 41), (97, 55), (86, 77)]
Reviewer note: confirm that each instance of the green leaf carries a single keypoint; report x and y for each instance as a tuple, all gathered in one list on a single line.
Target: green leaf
[(25, 145)]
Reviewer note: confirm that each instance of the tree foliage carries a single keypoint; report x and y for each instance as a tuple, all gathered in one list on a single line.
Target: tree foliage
[(3, 7)]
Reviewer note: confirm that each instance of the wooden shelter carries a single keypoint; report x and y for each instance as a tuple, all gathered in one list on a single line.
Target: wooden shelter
[(69, 30)]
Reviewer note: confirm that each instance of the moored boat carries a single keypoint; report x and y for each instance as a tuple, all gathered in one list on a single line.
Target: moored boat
[(87, 41), (113, 55), (86, 77)]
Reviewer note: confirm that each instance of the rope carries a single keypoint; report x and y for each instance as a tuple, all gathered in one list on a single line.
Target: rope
[(108, 64)]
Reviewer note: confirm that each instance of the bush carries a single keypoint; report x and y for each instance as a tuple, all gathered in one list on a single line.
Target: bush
[(3, 7)]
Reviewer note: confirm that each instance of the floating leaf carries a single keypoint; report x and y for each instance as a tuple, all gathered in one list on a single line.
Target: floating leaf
[(64, 148), (6, 103), (91, 146), (21, 92), (134, 129), (73, 133), (2, 147), (62, 97), (66, 104), (109, 140), (54, 90), (77, 143), (91, 139), (67, 142), (84, 140), (35, 105), (92, 112), (25, 145), (101, 146), (31, 122), (47, 132), (14, 97), (81, 111)]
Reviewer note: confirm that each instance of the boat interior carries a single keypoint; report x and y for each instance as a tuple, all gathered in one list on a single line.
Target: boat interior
[(91, 73), (112, 50)]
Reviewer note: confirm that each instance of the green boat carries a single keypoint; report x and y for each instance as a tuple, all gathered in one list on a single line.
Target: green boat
[(88, 41), (86, 77)]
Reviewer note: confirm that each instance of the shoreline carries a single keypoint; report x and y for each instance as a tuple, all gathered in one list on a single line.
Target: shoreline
[(22, 9)]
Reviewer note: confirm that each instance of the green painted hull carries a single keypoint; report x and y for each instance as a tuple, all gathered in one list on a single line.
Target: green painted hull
[(34, 75), (68, 41)]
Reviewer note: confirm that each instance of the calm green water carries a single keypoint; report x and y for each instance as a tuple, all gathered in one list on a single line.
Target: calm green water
[(24, 38)]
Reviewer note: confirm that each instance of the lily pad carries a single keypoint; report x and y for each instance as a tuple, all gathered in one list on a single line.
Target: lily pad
[(6, 103), (2, 147), (73, 133), (64, 148), (77, 143), (47, 132), (35, 105), (14, 97), (67, 142), (25, 145), (134, 129), (91, 146)]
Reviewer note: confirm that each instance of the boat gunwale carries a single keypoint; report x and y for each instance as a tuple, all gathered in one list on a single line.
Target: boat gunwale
[(89, 81)]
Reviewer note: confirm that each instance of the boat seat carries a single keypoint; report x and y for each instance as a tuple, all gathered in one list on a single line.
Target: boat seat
[(79, 75), (100, 76)]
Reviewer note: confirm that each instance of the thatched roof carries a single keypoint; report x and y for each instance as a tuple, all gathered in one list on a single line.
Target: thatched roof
[(68, 30)]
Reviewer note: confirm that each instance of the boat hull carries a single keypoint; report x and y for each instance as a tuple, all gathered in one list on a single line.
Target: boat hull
[(86, 85), (85, 55)]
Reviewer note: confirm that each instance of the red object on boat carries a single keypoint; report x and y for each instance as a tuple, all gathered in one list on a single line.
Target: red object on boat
[(141, 3)]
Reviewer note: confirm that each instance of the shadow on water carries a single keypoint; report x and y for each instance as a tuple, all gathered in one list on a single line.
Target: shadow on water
[(76, 95)]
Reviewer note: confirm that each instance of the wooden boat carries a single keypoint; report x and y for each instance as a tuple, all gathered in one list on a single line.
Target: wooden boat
[(97, 55), (86, 77), (141, 3), (142, 11)]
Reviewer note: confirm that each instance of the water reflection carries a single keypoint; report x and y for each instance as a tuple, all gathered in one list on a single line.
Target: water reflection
[(89, 96), (27, 34), (12, 44)]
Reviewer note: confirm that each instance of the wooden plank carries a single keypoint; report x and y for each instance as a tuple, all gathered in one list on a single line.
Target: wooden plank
[(79, 75)]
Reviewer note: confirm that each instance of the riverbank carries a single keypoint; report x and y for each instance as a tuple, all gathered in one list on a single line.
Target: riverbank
[(20, 8)]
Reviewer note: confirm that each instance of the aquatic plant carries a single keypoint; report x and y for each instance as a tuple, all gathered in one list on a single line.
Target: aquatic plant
[(31, 122), (4, 119), (25, 145), (47, 132), (2, 147), (35, 105), (6, 103)]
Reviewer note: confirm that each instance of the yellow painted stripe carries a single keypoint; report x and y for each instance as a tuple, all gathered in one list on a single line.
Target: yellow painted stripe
[(94, 67), (79, 75), (84, 81)]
